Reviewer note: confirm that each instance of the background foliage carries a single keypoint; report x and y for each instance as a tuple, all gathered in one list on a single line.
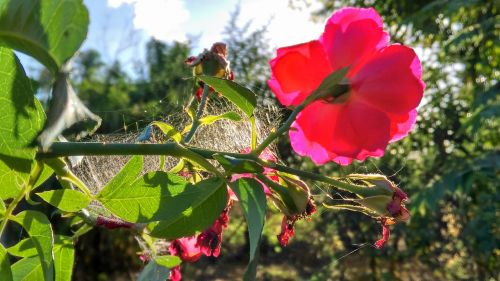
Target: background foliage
[(448, 165)]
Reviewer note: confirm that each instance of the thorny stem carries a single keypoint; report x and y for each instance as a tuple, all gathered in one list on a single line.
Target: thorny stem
[(196, 121), (34, 175)]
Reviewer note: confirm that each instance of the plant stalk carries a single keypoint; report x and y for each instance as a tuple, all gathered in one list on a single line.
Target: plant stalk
[(201, 108)]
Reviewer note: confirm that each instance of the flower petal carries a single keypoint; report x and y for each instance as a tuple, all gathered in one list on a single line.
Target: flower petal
[(401, 125), (347, 15), (351, 34), (390, 80), (355, 131), (297, 71)]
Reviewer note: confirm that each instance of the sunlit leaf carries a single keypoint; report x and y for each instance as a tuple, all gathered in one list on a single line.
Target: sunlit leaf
[(39, 229), (50, 31), (24, 248), (239, 95), (67, 200), (21, 119), (192, 209), (128, 174), (168, 261), (64, 256), (168, 131), (208, 120), (28, 269), (5, 272)]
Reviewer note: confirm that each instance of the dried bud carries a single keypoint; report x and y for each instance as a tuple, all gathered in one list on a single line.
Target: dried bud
[(211, 62)]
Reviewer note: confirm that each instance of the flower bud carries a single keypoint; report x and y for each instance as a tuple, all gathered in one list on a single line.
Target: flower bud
[(385, 199), (298, 190)]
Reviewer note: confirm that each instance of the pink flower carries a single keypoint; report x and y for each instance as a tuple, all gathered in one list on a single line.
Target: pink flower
[(210, 240), (270, 173), (185, 248), (175, 273), (385, 234), (288, 223), (384, 83)]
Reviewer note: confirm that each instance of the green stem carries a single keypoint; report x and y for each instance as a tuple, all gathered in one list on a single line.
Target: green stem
[(357, 189), (196, 121), (60, 149), (194, 154), (281, 130), (34, 175)]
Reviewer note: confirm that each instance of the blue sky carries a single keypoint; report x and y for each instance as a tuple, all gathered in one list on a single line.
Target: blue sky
[(119, 29)]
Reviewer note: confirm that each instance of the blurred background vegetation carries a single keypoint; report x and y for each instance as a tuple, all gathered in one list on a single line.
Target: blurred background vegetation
[(449, 165)]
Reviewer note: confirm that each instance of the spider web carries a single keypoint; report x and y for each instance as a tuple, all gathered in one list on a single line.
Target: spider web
[(223, 135)]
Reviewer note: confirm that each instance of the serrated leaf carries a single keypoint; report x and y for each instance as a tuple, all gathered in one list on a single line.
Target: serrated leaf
[(192, 210), (28, 269), (5, 272), (24, 248), (50, 31), (38, 227), (64, 257), (45, 175), (21, 119), (210, 119), (252, 200), (128, 174), (168, 261), (67, 200), (22, 115), (168, 131), (149, 198), (239, 95), (154, 272)]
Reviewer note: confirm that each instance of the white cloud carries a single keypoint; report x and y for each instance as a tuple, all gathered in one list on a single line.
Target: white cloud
[(161, 19), (287, 26)]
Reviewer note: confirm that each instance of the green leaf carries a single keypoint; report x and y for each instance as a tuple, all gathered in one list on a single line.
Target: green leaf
[(24, 248), (22, 118), (237, 165), (45, 175), (22, 114), (168, 131), (168, 261), (242, 97), (5, 272), (50, 31), (2, 208), (210, 119), (39, 229), (192, 209), (128, 174), (253, 203), (148, 199), (64, 257), (28, 269), (67, 200), (154, 272)]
